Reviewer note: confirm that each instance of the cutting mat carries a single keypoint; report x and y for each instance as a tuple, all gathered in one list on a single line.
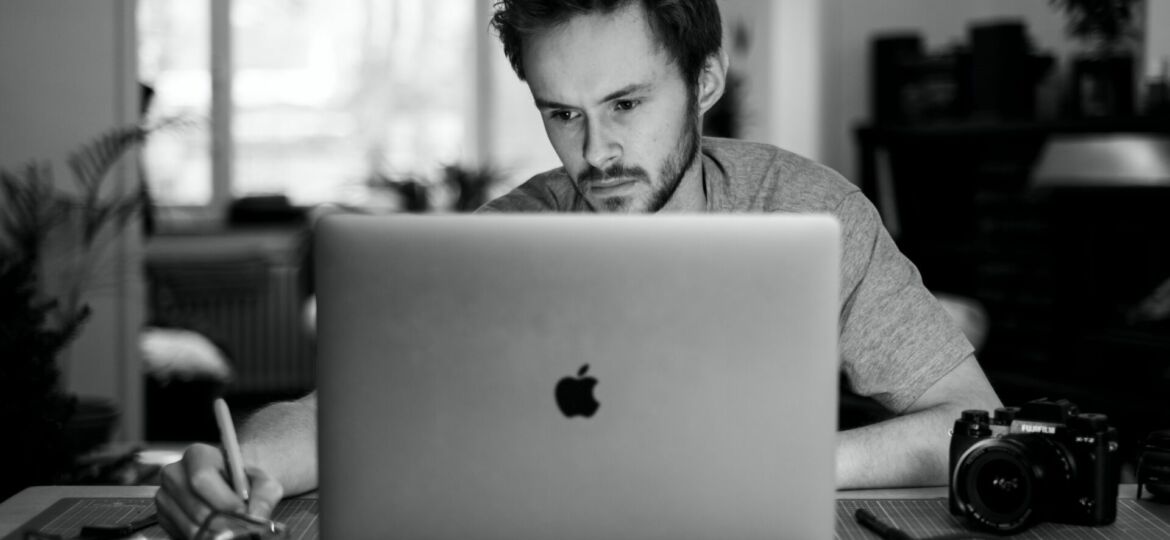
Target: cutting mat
[(923, 518), (66, 517)]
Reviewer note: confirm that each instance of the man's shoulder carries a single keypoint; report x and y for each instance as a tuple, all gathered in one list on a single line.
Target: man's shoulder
[(762, 177), (549, 191), (741, 150)]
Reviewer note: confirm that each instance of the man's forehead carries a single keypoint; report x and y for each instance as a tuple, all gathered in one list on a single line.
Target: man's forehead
[(591, 56)]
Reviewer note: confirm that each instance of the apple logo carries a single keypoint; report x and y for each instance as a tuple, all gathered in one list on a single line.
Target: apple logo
[(575, 394)]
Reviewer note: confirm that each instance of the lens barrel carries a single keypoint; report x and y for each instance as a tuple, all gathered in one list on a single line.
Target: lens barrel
[(1004, 484)]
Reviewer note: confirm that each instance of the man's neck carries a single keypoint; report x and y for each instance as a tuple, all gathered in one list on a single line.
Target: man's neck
[(690, 194)]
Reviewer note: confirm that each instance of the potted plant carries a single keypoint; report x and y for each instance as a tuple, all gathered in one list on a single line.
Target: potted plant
[(36, 325), (1103, 74)]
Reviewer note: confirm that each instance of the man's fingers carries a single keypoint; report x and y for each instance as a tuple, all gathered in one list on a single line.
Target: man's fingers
[(192, 488), (164, 521), (207, 480), (197, 485), (172, 518), (174, 497), (265, 493)]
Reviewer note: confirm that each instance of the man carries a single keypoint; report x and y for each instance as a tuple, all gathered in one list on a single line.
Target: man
[(622, 87)]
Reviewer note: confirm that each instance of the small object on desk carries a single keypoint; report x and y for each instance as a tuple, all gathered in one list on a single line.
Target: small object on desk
[(97, 532), (886, 531), (883, 529), (231, 448), (1153, 466)]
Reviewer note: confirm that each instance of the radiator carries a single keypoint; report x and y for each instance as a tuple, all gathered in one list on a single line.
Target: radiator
[(248, 306)]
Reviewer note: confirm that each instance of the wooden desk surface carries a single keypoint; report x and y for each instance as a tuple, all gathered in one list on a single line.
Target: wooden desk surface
[(28, 503)]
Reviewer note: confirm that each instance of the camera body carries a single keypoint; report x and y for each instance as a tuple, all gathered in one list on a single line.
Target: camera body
[(1044, 461)]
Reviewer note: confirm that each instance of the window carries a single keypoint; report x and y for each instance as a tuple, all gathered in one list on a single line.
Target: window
[(174, 61), (325, 94)]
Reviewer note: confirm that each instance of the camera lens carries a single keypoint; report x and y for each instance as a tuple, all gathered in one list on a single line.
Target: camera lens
[(1003, 483)]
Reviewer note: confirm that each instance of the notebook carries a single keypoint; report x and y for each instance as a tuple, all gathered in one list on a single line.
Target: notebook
[(570, 376)]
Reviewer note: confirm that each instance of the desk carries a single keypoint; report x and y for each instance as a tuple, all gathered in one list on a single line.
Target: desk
[(25, 505)]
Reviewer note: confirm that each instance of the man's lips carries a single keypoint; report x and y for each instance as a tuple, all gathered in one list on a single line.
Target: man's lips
[(609, 184)]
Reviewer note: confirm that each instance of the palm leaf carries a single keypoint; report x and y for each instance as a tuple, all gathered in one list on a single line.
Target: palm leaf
[(31, 206), (91, 163)]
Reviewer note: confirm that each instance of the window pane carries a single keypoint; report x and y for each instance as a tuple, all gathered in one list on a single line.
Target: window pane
[(173, 55), (328, 92)]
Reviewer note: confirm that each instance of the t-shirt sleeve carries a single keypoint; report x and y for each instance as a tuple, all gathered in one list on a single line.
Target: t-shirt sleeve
[(896, 339)]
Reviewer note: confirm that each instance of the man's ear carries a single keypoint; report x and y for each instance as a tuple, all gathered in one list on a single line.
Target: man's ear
[(712, 80)]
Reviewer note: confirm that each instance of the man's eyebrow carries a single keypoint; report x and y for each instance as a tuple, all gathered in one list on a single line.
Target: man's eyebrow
[(546, 104), (627, 90), (622, 92)]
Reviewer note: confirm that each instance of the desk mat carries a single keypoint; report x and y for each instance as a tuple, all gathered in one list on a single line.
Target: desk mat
[(66, 517), (920, 518), (923, 518)]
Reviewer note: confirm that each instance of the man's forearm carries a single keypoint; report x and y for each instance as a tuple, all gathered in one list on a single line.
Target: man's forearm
[(910, 450), (282, 439), (913, 449)]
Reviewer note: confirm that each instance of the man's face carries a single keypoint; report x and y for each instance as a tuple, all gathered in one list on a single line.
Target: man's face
[(615, 108)]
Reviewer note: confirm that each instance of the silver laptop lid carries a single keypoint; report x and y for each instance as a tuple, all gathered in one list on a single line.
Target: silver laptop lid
[(708, 342)]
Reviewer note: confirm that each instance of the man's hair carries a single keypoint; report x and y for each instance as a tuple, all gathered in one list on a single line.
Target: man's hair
[(690, 30)]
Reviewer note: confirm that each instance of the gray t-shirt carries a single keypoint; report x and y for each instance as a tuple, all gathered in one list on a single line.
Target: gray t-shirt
[(896, 340)]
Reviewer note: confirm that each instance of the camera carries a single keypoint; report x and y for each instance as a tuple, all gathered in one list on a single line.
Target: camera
[(1044, 461)]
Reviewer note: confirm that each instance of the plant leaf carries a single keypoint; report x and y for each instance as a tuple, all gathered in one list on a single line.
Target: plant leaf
[(91, 163)]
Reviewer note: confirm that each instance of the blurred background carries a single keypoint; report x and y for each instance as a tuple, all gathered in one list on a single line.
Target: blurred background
[(1018, 150)]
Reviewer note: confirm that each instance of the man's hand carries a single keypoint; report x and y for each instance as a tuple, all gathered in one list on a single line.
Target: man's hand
[(197, 485)]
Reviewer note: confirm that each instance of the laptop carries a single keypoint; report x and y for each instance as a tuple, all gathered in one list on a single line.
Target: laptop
[(560, 376)]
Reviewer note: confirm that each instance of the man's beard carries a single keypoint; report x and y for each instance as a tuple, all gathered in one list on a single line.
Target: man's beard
[(671, 172)]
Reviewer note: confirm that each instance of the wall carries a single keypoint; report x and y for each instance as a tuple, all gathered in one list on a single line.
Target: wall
[(518, 144), (68, 75), (782, 68)]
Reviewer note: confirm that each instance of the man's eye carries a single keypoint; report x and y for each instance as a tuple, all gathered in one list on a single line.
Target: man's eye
[(563, 116), (626, 104)]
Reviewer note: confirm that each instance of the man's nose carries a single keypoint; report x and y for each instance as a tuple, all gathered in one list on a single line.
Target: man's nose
[(602, 147)]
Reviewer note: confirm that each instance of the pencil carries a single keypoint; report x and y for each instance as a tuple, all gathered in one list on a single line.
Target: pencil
[(231, 448)]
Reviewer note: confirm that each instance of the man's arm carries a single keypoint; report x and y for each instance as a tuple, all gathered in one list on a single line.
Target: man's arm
[(913, 448), (282, 440), (279, 446)]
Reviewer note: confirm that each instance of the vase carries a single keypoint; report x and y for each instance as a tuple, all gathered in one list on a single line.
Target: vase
[(1102, 85)]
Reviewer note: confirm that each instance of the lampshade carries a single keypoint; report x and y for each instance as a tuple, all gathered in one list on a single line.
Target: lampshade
[(1104, 160)]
